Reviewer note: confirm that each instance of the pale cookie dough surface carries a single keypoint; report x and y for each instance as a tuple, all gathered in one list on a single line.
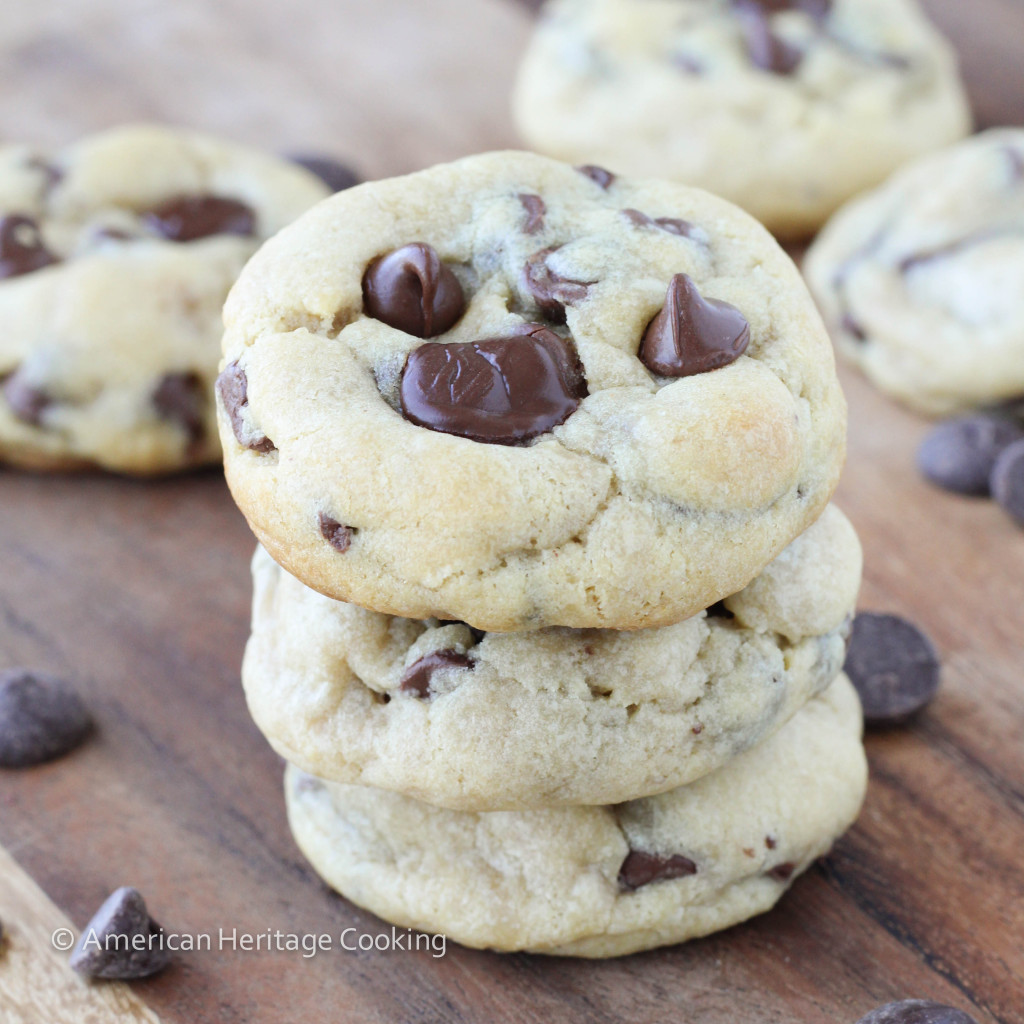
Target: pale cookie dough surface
[(559, 881), (109, 351), (922, 281), (656, 498), (682, 89), (554, 717)]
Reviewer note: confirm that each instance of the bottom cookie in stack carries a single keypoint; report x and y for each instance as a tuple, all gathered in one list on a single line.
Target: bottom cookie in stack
[(597, 881)]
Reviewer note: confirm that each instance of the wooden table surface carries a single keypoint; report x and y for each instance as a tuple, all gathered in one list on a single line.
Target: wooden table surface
[(139, 593)]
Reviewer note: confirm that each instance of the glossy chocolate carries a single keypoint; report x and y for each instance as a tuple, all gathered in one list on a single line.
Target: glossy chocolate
[(413, 290), (233, 388), (22, 249), (641, 868), (504, 390), (550, 290), (187, 218), (419, 675), (692, 334)]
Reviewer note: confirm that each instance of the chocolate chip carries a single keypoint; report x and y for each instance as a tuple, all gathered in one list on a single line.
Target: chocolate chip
[(1008, 481), (418, 676), (641, 868), (122, 941), (917, 1011), (853, 327), (22, 249), (598, 175), (782, 872), (334, 174), (504, 390), (41, 718), (959, 455), (893, 666), (336, 534), (27, 402), (692, 334), (765, 49), (673, 226), (771, 842), (535, 208), (233, 388), (181, 398), (551, 291), (186, 218), (413, 290)]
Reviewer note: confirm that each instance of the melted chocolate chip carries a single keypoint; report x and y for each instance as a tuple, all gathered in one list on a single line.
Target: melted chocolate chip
[(550, 290), (771, 842), (233, 388), (1008, 482), (683, 228), (41, 718), (953, 248), (959, 455), (535, 208), (598, 175), (122, 941), (692, 334), (765, 49), (334, 174), (27, 402), (497, 391), (413, 290), (917, 1011), (641, 868), (418, 676), (336, 534), (186, 218), (893, 667), (181, 398), (22, 249), (782, 872)]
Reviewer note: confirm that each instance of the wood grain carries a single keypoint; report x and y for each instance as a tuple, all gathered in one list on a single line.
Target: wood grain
[(139, 593)]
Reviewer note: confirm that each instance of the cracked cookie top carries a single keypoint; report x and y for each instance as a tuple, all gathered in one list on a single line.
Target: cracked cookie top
[(922, 281), (787, 107), (116, 255), (518, 394), (423, 707)]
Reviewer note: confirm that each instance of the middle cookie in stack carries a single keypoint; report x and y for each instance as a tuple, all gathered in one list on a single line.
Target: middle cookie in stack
[(513, 409)]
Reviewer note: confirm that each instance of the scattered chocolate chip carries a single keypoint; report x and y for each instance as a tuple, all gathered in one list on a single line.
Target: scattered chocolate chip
[(1008, 481), (853, 327), (765, 49), (598, 175), (122, 941), (22, 249), (771, 842), (418, 676), (504, 390), (233, 388), (917, 1011), (782, 872), (959, 455), (27, 402), (41, 718), (336, 534), (683, 228), (186, 218), (550, 290), (334, 174), (181, 398), (641, 868), (535, 208), (413, 290), (893, 666), (692, 334)]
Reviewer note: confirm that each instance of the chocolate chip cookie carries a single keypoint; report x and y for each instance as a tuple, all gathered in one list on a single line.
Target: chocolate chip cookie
[(922, 281), (425, 707), (116, 255), (787, 107), (597, 881), (517, 394)]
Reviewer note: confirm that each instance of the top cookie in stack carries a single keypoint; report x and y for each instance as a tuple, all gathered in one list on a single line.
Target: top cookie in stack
[(516, 394)]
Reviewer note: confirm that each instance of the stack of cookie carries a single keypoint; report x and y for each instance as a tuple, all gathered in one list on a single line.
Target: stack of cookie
[(550, 609)]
